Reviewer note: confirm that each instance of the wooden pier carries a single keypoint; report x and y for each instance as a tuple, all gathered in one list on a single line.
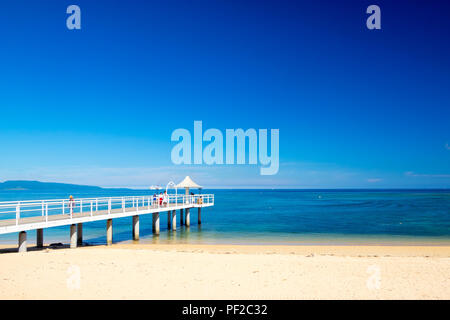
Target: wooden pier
[(41, 214)]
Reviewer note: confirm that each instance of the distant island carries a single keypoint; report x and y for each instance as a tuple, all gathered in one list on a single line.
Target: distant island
[(38, 186)]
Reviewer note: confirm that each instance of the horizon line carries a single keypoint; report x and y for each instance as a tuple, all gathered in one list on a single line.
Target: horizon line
[(141, 188)]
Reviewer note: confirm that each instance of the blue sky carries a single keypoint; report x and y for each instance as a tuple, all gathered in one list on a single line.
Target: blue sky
[(355, 108)]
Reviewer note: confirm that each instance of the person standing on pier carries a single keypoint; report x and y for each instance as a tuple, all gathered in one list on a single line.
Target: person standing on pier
[(71, 204), (165, 198)]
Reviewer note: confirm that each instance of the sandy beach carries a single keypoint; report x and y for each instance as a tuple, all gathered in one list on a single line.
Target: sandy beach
[(134, 271)]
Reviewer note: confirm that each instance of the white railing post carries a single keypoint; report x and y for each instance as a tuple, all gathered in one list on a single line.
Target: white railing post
[(46, 212), (92, 207), (123, 204), (96, 204), (109, 206), (43, 208), (17, 213), (63, 207), (81, 205)]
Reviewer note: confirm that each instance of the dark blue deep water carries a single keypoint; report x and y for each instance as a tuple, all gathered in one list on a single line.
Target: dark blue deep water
[(284, 217)]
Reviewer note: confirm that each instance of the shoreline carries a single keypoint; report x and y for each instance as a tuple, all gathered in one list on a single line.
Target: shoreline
[(181, 238), (322, 249), (343, 250)]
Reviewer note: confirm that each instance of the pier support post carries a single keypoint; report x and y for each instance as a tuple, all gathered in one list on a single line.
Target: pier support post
[(39, 238), (73, 236), (174, 220), (169, 219), (109, 232), (181, 217), (79, 234), (199, 215), (188, 218), (22, 241), (155, 226), (136, 227)]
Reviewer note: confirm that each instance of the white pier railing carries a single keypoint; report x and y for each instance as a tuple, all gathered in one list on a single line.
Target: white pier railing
[(21, 212)]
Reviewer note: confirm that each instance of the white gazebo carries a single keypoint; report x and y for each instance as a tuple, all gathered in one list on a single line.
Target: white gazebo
[(187, 183)]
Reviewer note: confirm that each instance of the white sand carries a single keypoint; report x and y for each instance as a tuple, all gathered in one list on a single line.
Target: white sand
[(227, 272)]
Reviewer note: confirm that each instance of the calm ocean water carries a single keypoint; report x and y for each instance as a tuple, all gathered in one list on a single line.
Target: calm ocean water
[(282, 217)]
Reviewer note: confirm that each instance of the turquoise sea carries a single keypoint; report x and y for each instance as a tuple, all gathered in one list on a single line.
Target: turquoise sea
[(281, 217)]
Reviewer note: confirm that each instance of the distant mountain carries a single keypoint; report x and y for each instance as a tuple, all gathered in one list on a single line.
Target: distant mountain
[(24, 185)]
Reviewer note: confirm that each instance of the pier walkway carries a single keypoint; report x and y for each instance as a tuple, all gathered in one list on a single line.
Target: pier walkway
[(21, 216)]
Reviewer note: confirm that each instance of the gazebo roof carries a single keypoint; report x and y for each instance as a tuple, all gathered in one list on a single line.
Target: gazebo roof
[(187, 183)]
